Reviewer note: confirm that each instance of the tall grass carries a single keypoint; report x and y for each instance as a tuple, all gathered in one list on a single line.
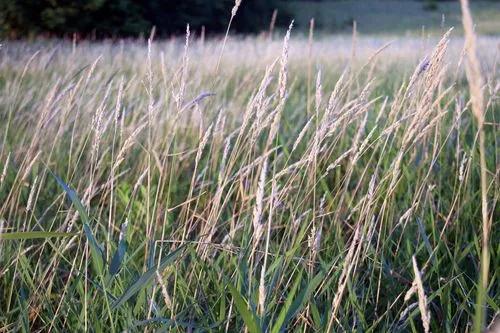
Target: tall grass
[(475, 79), (217, 188)]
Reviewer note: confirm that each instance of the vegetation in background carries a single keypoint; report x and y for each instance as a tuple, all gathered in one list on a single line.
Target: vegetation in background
[(112, 18), (132, 18), (391, 16), (431, 5)]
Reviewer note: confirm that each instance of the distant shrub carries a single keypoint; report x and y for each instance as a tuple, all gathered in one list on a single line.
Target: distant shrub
[(431, 5)]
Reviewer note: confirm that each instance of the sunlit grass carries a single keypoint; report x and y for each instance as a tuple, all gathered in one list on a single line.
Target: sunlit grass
[(246, 208)]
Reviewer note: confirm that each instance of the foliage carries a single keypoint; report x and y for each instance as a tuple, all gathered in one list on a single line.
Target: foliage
[(431, 5), (107, 18)]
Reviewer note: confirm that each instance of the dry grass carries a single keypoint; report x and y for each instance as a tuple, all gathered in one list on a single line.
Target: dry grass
[(475, 79), (292, 204)]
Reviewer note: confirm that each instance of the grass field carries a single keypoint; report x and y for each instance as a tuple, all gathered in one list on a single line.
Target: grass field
[(260, 186), (391, 17)]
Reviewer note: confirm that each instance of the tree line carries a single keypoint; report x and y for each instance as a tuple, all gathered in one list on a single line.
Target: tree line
[(131, 18)]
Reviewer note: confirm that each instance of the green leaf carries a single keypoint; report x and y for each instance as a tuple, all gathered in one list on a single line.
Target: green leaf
[(116, 261), (95, 249), (147, 277), (248, 317), (23, 300), (34, 235), (73, 197), (287, 306), (427, 243), (291, 309), (303, 297)]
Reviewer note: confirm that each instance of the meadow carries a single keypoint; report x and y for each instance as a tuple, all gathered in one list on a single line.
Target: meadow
[(384, 17), (258, 184)]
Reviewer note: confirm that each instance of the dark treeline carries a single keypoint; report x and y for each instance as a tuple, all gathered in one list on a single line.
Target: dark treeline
[(131, 18)]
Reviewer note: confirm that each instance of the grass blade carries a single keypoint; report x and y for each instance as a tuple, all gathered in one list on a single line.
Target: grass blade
[(280, 321), (302, 298), (116, 261), (24, 317), (34, 235), (147, 277), (95, 249), (248, 317)]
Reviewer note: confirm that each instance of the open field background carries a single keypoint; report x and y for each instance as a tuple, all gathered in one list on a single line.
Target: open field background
[(392, 16), (308, 194)]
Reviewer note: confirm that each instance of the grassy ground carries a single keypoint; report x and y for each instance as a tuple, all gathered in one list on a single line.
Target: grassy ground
[(391, 16), (332, 189)]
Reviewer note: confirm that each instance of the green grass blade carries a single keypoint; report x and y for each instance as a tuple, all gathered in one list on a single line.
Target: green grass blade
[(34, 235), (73, 197), (95, 249), (303, 297), (280, 321), (146, 278), (248, 317), (168, 323), (116, 261), (24, 317)]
